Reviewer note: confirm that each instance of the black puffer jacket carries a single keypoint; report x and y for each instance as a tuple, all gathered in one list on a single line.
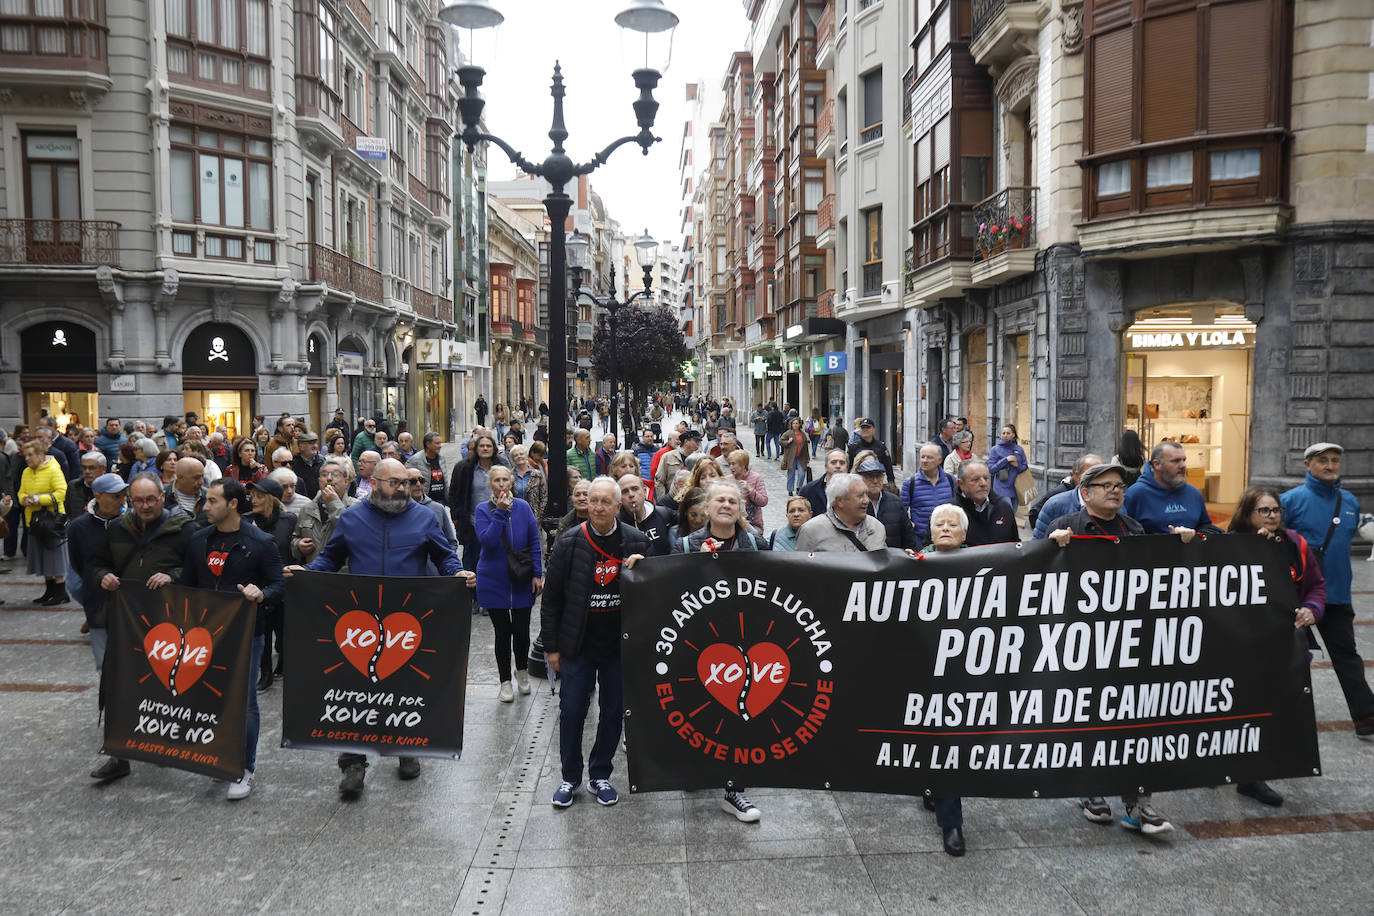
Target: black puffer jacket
[(996, 524), (889, 510), (567, 587)]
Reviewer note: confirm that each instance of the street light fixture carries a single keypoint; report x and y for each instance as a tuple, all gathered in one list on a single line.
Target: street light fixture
[(656, 23), (613, 306)]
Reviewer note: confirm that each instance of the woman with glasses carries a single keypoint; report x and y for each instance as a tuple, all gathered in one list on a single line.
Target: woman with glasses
[(1259, 512)]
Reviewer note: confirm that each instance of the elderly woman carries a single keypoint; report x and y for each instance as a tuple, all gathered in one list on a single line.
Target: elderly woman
[(271, 517), (530, 483), (581, 502), (948, 526), (147, 458), (798, 513), (750, 486), (290, 498), (1006, 460), (1259, 512), (42, 487), (504, 523), (962, 451)]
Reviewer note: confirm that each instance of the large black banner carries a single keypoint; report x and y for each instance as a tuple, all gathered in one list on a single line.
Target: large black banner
[(379, 664), (176, 677), (1006, 671)]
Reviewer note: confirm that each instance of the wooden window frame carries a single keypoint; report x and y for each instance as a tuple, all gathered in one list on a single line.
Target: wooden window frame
[(195, 43)]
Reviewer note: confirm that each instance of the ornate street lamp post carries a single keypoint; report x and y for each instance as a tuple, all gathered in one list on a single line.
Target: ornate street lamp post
[(656, 23)]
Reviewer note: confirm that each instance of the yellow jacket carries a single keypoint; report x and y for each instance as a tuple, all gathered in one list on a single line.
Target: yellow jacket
[(47, 484)]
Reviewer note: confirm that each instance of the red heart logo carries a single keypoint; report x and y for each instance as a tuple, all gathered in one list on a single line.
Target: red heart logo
[(745, 684), (178, 659), (605, 572), (377, 648), (215, 560)]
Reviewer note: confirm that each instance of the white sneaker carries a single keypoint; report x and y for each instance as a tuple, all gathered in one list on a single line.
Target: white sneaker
[(241, 788), (741, 807), (507, 694), (522, 682)]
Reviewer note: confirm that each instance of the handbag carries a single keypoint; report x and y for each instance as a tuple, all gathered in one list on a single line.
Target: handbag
[(519, 563), (48, 526)]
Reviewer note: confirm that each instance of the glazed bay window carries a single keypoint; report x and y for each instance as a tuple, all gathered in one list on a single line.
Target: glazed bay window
[(221, 180), (317, 59), (1180, 106), (220, 44)]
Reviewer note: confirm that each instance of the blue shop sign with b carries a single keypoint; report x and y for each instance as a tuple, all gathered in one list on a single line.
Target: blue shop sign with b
[(832, 363)]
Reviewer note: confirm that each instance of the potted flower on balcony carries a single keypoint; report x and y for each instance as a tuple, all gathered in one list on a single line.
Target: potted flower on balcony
[(992, 239), (1017, 231)]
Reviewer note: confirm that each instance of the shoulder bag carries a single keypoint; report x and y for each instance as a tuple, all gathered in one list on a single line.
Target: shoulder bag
[(49, 526), (519, 563)]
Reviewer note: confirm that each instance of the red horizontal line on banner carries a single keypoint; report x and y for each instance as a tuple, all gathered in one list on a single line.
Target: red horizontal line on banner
[(43, 642), (1276, 826), (1050, 731), (43, 688)]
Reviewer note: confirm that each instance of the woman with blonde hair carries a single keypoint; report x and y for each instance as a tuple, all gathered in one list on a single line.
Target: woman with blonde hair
[(42, 487)]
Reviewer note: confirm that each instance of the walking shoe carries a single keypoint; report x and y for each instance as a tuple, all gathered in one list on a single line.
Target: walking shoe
[(742, 808), (59, 596), (603, 790), (954, 840), (351, 786), (43, 598), (506, 694), (522, 681), (563, 798), (240, 788), (1145, 819), (1096, 809), (1261, 792), (409, 768), (85, 627), (1365, 728), (111, 769), (265, 680)]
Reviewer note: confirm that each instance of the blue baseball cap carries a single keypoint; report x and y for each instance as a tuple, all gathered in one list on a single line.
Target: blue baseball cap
[(108, 483)]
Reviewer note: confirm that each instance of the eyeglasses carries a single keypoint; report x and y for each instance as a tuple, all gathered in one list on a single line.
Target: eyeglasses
[(1269, 511), (414, 481), (391, 481), (145, 500), (1109, 487)]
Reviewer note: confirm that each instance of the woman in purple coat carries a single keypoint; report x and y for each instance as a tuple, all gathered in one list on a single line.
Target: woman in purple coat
[(1006, 460), (507, 522), (1259, 512)]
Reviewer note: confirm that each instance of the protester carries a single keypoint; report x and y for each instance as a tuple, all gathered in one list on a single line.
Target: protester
[(361, 485), (962, 451), (1259, 512), (580, 632), (530, 483), (796, 455), (674, 460), (836, 462), (186, 492), (991, 519), (651, 521), (42, 491), (506, 525), (315, 523), (86, 534), (1102, 489), (1066, 502), (365, 440), (1327, 515), (467, 490), (784, 537), (79, 492), (1130, 454), (846, 525), (866, 440), (388, 534), (306, 464), (109, 441), (145, 541), (691, 516), (291, 499), (945, 439), (416, 483), (886, 507), (751, 487), (271, 517), (726, 528), (1006, 460), (243, 465), (577, 514), (929, 487), (670, 443), (1163, 501), (427, 461), (341, 424), (145, 451)]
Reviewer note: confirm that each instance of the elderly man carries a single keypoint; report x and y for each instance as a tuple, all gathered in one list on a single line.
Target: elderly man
[(725, 444), (1102, 488), (187, 491), (887, 508), (604, 453), (929, 487), (836, 462), (580, 456), (307, 464), (653, 522), (1163, 501), (991, 519), (416, 483), (1066, 502), (674, 461), (580, 623), (291, 497), (79, 492), (315, 523), (945, 440), (389, 534), (670, 442), (219, 450), (406, 443), (361, 487), (846, 525), (1326, 514)]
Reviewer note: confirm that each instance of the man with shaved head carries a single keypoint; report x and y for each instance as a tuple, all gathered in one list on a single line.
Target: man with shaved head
[(187, 490), (387, 534)]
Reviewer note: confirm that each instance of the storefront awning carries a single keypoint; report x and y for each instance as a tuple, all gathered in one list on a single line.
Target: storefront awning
[(812, 330)]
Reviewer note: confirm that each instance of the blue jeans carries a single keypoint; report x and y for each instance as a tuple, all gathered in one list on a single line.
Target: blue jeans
[(253, 720), (578, 674), (815, 443), (949, 812), (796, 476), (100, 637), (772, 446)]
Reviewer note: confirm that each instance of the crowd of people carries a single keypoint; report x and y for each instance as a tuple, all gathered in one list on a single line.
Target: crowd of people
[(186, 504)]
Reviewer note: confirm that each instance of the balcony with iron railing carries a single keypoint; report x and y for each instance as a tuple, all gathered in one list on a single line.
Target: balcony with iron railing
[(825, 304), (825, 130), (422, 302), (443, 308), (1005, 243), (65, 39), (517, 329), (825, 38), (999, 26), (340, 272), (59, 242)]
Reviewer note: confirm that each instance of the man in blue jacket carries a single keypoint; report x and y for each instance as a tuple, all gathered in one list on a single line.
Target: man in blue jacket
[(1163, 501), (110, 440), (231, 555), (929, 487), (1326, 515), (1065, 502), (387, 534)]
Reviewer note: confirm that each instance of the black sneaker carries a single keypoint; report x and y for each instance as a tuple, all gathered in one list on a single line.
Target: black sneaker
[(351, 786), (112, 769), (1365, 727), (409, 768), (1261, 792), (265, 680)]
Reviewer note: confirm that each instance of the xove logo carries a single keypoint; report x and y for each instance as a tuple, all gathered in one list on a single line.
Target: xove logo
[(740, 671)]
